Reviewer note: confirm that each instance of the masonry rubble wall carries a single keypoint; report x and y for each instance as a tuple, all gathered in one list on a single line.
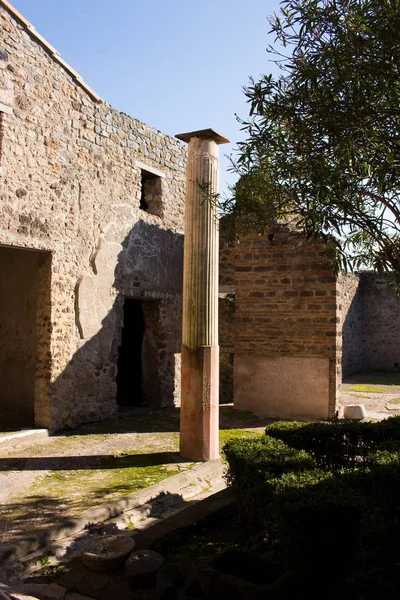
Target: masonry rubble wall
[(371, 323), (352, 320), (286, 320), (381, 323), (70, 185)]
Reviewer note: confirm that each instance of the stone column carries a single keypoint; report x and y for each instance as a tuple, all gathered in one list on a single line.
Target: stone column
[(200, 350)]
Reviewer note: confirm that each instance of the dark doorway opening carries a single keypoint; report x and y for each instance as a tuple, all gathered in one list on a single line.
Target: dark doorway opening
[(24, 335), (129, 377)]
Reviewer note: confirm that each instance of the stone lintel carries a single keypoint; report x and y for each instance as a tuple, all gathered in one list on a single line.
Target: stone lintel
[(145, 167), (205, 134)]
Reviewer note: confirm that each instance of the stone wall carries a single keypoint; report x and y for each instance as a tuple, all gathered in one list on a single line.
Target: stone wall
[(71, 185), (19, 287), (351, 316), (371, 324), (286, 356), (381, 320)]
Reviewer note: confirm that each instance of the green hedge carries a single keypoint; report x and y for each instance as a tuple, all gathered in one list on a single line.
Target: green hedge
[(338, 445), (309, 500), (283, 498), (253, 463)]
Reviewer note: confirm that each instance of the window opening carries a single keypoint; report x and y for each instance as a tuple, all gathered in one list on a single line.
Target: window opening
[(151, 193)]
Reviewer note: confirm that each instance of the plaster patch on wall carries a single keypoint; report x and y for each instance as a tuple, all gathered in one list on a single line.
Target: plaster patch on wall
[(95, 296)]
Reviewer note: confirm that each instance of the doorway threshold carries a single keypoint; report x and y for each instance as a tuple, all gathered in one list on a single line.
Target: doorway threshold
[(22, 437)]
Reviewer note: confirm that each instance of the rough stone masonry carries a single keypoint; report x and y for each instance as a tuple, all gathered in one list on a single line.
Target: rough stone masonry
[(91, 222), (91, 256)]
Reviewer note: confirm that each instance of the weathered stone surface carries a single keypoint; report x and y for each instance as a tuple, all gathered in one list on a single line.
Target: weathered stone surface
[(106, 553), (262, 382), (354, 411), (71, 189), (200, 351), (50, 591), (142, 567), (74, 596), (102, 586), (14, 594)]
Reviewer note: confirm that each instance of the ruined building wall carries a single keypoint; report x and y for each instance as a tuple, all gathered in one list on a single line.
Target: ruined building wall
[(352, 319), (226, 332), (381, 320), (371, 323), (286, 354), (71, 176)]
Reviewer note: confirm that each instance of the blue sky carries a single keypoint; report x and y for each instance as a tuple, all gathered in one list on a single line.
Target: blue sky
[(177, 65)]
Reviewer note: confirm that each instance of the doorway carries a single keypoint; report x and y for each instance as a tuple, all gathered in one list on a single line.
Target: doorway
[(24, 296), (138, 378), (129, 376)]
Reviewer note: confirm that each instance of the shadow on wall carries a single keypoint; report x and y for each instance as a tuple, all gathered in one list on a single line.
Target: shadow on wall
[(352, 328), (147, 281), (371, 324)]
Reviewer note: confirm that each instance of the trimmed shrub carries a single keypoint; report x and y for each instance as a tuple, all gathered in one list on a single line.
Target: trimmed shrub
[(311, 492), (284, 498), (253, 462), (337, 445)]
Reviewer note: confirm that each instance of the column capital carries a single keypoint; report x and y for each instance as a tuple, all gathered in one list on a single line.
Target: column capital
[(205, 134)]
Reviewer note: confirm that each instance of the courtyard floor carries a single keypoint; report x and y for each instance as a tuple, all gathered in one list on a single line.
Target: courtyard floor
[(63, 475), (378, 392)]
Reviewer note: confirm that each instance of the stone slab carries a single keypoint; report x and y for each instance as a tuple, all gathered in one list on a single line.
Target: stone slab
[(22, 438), (286, 387), (356, 412), (14, 593)]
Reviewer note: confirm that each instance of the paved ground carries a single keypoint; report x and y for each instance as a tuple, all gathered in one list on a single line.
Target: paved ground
[(63, 475), (378, 392)]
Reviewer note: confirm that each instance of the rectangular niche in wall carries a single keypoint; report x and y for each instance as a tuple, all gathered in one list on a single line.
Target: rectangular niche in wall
[(151, 190)]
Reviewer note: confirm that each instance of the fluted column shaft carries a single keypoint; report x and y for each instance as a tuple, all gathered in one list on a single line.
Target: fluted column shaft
[(200, 351), (200, 273)]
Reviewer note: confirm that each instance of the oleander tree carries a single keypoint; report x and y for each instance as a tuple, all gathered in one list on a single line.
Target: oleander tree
[(322, 140)]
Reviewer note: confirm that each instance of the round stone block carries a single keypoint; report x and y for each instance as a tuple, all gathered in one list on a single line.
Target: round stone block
[(142, 567), (354, 411), (106, 553)]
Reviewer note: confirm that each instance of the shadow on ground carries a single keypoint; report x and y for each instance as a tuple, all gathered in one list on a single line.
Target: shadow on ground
[(64, 463), (162, 421)]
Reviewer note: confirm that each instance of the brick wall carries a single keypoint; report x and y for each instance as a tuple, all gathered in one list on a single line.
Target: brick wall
[(286, 354)]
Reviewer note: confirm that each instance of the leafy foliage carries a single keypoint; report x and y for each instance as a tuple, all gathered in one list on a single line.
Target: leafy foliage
[(308, 499), (339, 445), (323, 138)]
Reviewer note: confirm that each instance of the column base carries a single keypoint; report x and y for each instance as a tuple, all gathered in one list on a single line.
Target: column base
[(200, 403)]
